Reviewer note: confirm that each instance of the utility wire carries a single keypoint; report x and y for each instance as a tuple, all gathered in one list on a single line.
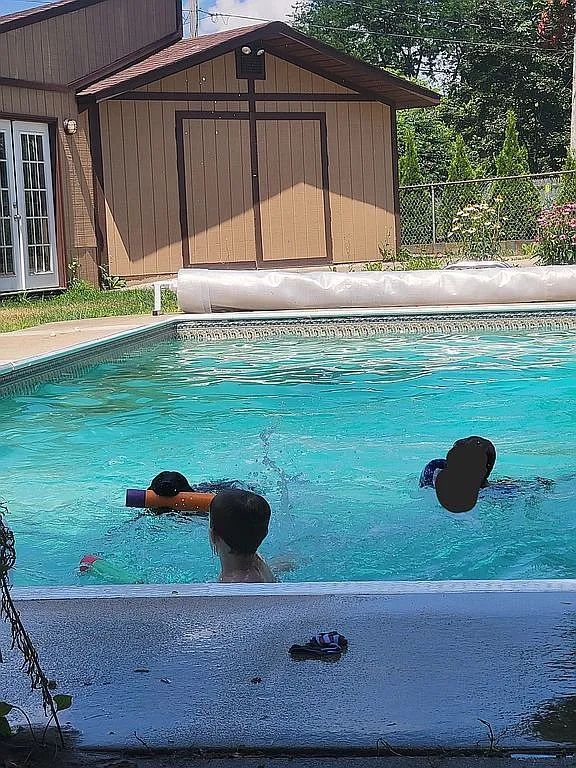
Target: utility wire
[(355, 31)]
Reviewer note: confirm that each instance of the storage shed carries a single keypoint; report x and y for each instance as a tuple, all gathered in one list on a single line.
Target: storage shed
[(143, 152)]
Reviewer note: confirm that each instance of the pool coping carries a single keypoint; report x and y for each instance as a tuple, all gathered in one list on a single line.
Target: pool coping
[(295, 589)]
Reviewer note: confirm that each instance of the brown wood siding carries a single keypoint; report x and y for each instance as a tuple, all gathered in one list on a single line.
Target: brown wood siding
[(75, 168), (291, 190), (71, 46), (142, 180)]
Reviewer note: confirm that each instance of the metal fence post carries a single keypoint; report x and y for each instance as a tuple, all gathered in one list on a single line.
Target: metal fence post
[(433, 196)]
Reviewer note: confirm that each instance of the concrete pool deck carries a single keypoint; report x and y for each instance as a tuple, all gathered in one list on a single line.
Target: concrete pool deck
[(431, 667), (17, 346)]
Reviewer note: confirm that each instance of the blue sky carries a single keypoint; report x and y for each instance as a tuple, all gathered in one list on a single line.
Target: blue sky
[(267, 9)]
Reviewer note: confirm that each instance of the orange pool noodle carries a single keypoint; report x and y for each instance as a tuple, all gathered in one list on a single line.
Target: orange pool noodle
[(186, 501)]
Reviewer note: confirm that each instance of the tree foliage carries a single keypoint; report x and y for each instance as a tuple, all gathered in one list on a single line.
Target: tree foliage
[(480, 80), (399, 33), (567, 190), (456, 198), (415, 204), (533, 81), (519, 199), (433, 138)]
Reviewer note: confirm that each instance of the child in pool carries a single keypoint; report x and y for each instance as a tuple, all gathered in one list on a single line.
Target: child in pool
[(172, 483), (434, 467), (250, 506), (238, 526), (459, 477)]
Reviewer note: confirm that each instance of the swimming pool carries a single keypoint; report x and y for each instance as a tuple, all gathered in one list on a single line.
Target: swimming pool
[(334, 431)]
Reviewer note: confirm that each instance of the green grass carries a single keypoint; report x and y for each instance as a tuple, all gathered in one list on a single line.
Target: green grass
[(78, 302)]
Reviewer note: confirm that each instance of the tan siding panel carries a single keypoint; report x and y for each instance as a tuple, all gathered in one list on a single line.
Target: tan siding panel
[(146, 188), (283, 77), (130, 153), (115, 184), (291, 197), (160, 183), (220, 217), (357, 201)]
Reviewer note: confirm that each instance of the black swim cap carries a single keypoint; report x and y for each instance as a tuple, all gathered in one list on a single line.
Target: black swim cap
[(169, 484)]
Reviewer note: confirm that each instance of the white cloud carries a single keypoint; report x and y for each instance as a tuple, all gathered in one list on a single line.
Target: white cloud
[(275, 10)]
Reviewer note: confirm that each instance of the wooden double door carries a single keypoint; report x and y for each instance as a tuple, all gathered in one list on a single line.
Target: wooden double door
[(254, 189)]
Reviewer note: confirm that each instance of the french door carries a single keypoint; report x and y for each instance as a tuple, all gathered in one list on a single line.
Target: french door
[(27, 226)]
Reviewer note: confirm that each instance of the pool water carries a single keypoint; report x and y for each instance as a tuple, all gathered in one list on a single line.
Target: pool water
[(334, 432)]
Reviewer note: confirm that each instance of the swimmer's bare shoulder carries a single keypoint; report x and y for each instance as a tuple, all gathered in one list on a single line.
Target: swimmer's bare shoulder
[(258, 573)]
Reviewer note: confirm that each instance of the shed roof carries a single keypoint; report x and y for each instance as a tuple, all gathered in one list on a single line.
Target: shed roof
[(280, 40)]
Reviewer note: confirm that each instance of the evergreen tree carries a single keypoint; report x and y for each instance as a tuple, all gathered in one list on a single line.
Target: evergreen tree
[(410, 170), (415, 204), (567, 189), (434, 140), (455, 198), (518, 199)]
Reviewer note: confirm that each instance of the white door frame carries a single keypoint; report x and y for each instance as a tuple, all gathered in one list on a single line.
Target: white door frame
[(12, 282), (46, 278)]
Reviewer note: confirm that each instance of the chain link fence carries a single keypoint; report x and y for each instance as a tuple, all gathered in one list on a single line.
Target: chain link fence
[(428, 211)]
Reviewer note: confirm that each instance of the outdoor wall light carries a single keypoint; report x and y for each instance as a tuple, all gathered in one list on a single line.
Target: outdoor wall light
[(247, 50), (70, 127)]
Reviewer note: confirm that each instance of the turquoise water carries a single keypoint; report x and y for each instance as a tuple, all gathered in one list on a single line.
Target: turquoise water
[(333, 432)]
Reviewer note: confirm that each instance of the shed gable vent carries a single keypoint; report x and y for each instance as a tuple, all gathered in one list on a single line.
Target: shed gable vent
[(250, 62)]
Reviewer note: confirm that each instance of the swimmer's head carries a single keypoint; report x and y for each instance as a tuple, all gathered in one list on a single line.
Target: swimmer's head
[(487, 446), (468, 465), (240, 520), (169, 484)]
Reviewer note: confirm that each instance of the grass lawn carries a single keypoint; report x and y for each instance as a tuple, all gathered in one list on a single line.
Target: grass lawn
[(79, 302)]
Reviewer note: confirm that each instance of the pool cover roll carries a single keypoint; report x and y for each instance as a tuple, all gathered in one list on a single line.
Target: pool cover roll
[(210, 290)]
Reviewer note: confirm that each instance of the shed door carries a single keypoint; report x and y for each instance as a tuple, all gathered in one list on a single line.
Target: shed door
[(292, 194), (27, 225), (219, 212)]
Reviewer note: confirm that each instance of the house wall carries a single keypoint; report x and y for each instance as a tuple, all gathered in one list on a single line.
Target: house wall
[(70, 46), (141, 178), (73, 180), (58, 51)]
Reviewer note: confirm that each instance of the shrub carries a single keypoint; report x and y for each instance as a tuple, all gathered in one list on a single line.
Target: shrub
[(458, 196), (520, 205), (477, 229), (567, 188), (557, 235)]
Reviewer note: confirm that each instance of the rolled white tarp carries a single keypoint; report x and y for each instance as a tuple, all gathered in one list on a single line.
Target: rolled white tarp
[(210, 290)]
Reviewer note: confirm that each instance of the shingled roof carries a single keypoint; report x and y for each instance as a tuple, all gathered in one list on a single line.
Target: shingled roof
[(280, 40)]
